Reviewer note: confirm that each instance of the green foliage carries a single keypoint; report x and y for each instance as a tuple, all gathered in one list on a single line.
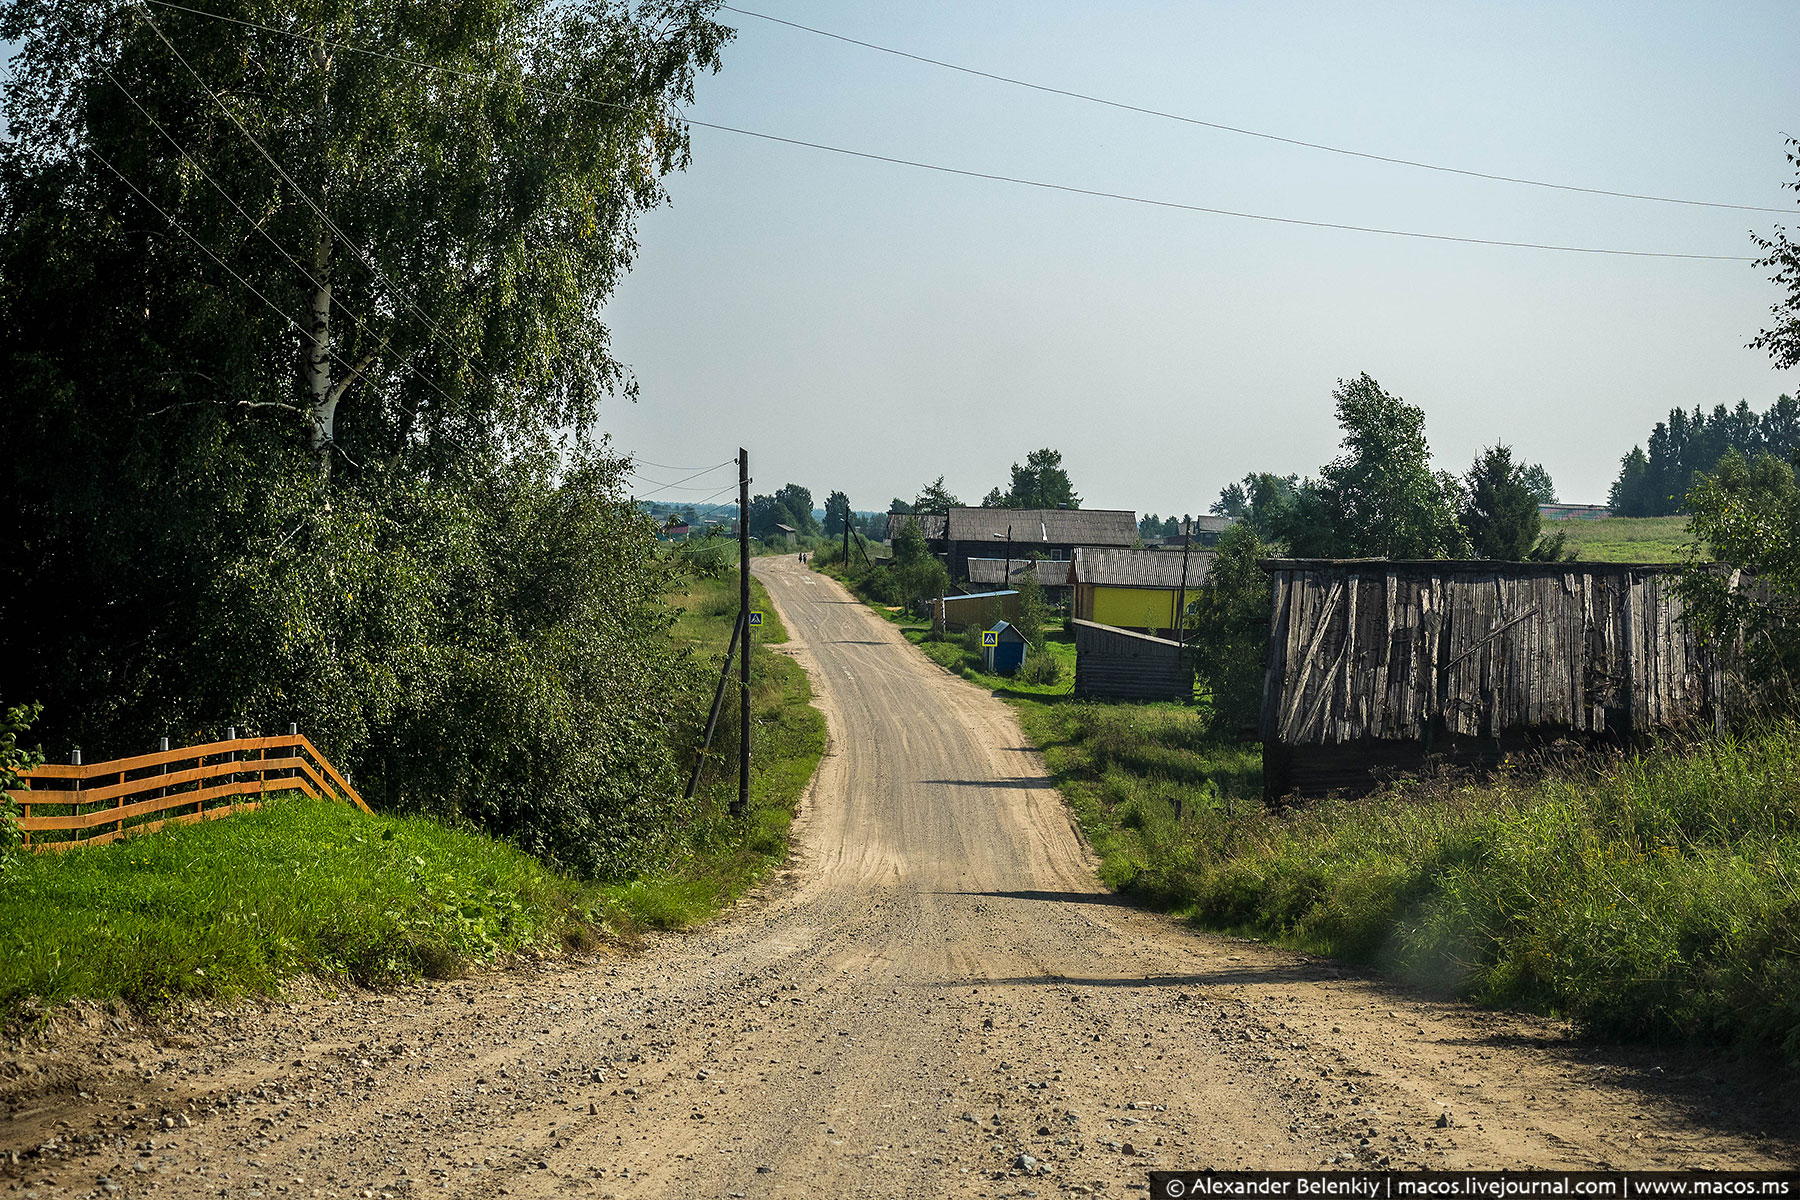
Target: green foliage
[(1262, 501), (1380, 498), (15, 762), (791, 505), (934, 497), (1041, 668), (241, 905), (1500, 507), (1657, 483), (1537, 481), (838, 516), (1782, 339), (1034, 610), (910, 545), (994, 499), (1746, 516), (380, 537), (1041, 482), (1229, 642)]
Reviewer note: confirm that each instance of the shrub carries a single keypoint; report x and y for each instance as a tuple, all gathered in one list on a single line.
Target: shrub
[(1041, 668)]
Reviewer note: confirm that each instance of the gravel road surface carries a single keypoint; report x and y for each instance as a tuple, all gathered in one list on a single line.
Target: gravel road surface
[(935, 998)]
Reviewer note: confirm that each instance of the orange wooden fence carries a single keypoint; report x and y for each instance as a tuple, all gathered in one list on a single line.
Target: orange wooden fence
[(95, 803)]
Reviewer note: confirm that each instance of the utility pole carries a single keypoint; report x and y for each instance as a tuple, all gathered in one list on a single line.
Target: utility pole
[(1181, 596), (1006, 579), (743, 798), (846, 533)]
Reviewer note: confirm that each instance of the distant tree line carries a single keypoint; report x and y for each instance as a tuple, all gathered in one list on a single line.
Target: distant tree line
[(1656, 482)]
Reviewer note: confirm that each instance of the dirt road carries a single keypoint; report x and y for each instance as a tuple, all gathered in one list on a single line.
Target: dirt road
[(935, 1000)]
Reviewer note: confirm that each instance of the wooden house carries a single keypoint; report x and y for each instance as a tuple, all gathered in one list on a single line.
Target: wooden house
[(1134, 589), (1051, 533), (1121, 664), (1373, 665)]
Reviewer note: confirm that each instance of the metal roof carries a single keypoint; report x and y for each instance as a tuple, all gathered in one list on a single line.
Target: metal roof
[(1050, 572), (1139, 568), (1049, 526)]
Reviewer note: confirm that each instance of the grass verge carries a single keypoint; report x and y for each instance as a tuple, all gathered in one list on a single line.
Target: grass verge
[(719, 858), (240, 905)]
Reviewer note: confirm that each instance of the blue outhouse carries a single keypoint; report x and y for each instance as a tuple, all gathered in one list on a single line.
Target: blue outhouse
[(1007, 654)]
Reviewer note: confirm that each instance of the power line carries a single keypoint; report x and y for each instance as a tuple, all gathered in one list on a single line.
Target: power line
[(1254, 133), (665, 466), (679, 482), (266, 236), (208, 251), (1068, 189), (367, 259)]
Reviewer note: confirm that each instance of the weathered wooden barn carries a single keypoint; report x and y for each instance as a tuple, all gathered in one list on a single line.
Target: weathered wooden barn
[(1374, 665), (1121, 664)]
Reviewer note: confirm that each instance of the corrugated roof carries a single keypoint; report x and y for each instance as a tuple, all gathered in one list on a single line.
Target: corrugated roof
[(1050, 572), (1051, 526), (930, 524), (1140, 568)]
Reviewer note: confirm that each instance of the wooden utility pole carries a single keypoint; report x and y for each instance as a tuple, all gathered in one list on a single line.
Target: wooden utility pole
[(1181, 595), (718, 702), (743, 797), (846, 533)]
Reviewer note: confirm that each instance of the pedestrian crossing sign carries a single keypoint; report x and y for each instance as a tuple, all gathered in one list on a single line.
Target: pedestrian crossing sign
[(756, 618), (990, 637)]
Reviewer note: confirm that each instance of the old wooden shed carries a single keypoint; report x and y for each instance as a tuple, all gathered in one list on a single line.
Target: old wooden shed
[(1374, 665), (1121, 664)]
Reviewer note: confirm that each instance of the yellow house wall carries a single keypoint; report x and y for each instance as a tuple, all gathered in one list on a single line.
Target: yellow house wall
[(1142, 608)]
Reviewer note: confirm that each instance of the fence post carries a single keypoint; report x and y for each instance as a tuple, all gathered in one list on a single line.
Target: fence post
[(75, 761), (231, 778), (293, 772)]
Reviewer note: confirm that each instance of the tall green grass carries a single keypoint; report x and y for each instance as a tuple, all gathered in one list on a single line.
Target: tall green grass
[(243, 904), (1650, 895)]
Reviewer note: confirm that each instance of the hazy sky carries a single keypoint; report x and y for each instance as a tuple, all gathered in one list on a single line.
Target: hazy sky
[(867, 327)]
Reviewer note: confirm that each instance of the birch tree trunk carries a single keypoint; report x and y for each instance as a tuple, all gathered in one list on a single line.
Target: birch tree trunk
[(316, 366)]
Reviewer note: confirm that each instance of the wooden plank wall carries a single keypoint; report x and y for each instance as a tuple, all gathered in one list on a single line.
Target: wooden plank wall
[(1117, 664), (1392, 651)]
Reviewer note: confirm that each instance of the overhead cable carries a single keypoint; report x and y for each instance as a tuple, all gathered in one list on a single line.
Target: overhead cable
[(1123, 106), (1067, 189)]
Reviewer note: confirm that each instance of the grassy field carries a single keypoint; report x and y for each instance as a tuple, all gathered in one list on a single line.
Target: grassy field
[(242, 905), (1624, 539), (1654, 895)]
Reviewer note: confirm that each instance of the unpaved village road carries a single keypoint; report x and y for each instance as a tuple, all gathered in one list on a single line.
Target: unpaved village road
[(936, 988)]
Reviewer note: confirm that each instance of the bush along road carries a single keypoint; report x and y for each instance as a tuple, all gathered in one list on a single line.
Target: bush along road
[(935, 997)]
